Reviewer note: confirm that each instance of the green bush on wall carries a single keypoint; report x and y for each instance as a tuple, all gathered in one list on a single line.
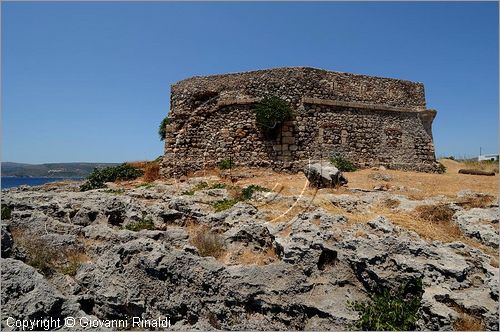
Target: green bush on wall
[(271, 112), (225, 164), (162, 130)]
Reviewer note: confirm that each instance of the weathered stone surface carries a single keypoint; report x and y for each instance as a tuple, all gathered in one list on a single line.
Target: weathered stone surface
[(370, 120), (322, 262), (481, 224), (26, 294), (324, 175)]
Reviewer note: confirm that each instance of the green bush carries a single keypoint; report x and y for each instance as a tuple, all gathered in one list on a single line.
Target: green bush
[(6, 212), (390, 310), (162, 130), (98, 177), (224, 204), (225, 164), (272, 111), (247, 192), (343, 164), (143, 223)]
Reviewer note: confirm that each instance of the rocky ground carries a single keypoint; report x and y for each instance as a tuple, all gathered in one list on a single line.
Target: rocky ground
[(278, 260)]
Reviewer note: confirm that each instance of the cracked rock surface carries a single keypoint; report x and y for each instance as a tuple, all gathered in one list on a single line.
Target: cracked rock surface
[(320, 262)]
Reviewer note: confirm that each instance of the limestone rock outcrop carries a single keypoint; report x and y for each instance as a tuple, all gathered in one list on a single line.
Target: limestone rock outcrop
[(292, 274)]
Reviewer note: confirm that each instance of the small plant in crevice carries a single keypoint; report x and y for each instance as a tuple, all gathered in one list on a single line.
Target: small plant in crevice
[(200, 186), (238, 195), (114, 191), (224, 204), (390, 310), (143, 223), (6, 212), (162, 129), (225, 164), (218, 186), (208, 242), (270, 113), (145, 185), (247, 192), (74, 259)]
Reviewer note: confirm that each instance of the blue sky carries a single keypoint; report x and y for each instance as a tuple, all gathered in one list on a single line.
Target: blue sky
[(91, 81)]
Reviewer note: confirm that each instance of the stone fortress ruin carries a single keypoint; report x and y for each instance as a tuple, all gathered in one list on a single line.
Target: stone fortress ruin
[(371, 121)]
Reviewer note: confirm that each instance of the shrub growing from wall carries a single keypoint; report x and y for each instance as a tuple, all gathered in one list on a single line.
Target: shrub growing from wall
[(162, 130), (270, 113)]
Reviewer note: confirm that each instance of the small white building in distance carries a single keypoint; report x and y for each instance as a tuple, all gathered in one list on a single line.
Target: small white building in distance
[(490, 157)]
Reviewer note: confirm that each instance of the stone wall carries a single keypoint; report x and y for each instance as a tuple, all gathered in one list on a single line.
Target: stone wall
[(369, 120)]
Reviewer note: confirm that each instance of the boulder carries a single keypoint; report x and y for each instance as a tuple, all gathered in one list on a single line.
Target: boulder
[(476, 172), (26, 294), (324, 175)]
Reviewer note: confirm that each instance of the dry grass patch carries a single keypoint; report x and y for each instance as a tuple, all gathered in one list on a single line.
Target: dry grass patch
[(480, 201), (424, 185), (250, 257), (74, 259), (360, 233), (435, 213), (282, 210), (151, 171), (489, 166), (206, 241), (141, 164), (467, 322), (494, 261), (352, 217), (316, 221), (46, 258), (286, 231), (444, 230), (390, 203)]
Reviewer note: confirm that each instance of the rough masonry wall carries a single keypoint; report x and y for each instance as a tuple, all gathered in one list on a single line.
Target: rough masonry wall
[(292, 84), (372, 121)]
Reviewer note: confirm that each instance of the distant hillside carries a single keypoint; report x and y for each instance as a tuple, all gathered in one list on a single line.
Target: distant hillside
[(55, 170)]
